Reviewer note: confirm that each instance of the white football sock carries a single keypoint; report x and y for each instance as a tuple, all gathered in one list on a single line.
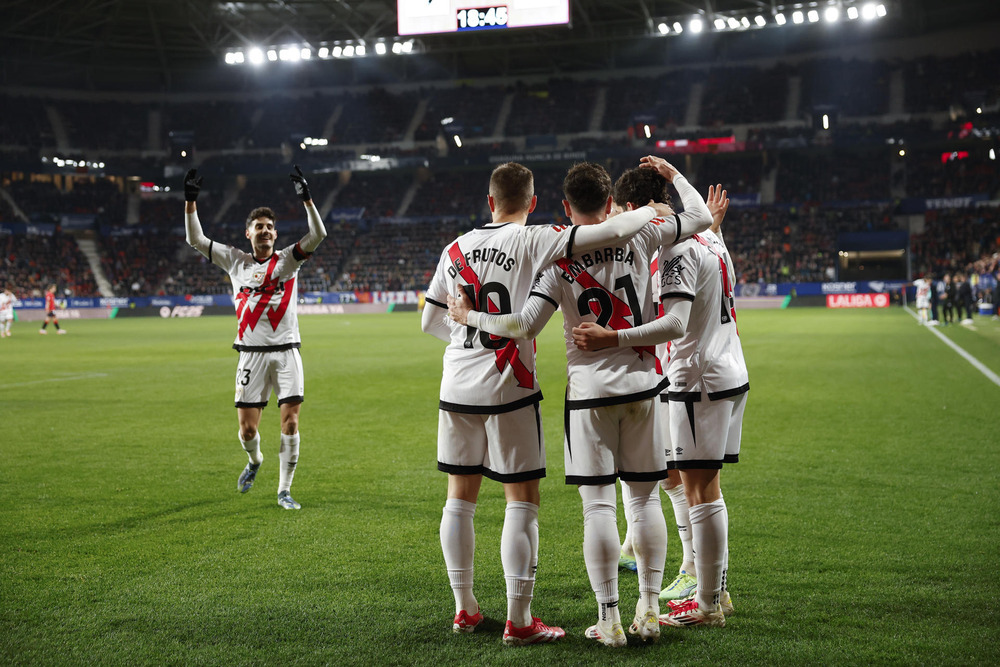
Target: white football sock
[(519, 555), (649, 539), (601, 548), (627, 548), (710, 534), (683, 520), (288, 458), (252, 447), (458, 544)]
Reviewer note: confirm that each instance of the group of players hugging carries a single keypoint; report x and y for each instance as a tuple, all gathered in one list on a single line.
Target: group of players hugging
[(656, 380)]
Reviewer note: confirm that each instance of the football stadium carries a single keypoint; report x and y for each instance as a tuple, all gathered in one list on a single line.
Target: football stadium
[(467, 240)]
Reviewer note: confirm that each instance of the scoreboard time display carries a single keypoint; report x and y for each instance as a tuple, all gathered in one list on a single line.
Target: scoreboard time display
[(422, 17)]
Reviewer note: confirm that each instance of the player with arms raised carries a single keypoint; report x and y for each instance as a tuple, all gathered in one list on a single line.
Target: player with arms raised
[(706, 398), (610, 397), (265, 290), (489, 422)]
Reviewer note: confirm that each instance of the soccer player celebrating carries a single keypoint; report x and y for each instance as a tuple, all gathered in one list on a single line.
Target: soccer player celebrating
[(50, 311), (610, 410), (6, 311), (489, 422), (706, 399), (265, 290)]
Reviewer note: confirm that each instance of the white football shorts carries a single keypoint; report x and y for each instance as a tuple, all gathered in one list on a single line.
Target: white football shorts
[(614, 441), (705, 434), (507, 447), (259, 373)]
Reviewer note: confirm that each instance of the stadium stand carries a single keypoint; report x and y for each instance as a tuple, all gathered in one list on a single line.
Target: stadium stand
[(806, 184)]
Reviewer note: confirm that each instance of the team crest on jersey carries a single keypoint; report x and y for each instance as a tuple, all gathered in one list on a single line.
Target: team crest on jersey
[(258, 277), (671, 274)]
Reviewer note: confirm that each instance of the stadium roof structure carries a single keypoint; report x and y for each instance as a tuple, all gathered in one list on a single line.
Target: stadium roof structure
[(181, 45)]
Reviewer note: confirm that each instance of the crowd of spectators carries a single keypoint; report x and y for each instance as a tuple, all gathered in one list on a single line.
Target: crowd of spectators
[(814, 171)]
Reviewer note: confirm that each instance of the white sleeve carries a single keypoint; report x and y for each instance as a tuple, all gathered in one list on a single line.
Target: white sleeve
[(194, 235), (434, 321), (612, 230), (317, 231), (526, 324), (672, 325), (695, 218)]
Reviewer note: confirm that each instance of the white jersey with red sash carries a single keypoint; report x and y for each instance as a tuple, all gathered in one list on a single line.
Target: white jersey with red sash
[(485, 373), (613, 287), (708, 357), (266, 294)]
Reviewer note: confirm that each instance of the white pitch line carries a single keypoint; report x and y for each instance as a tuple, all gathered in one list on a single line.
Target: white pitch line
[(993, 377), (68, 378)]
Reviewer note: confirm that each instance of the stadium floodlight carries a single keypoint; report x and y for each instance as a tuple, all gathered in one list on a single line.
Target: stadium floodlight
[(359, 50), (663, 28), (868, 12), (458, 140), (760, 21), (256, 56), (902, 152), (380, 48), (696, 25), (979, 109), (852, 13), (646, 131), (324, 52), (832, 14), (305, 54), (745, 22), (397, 47), (408, 46), (678, 28), (337, 52), (732, 23), (797, 17), (779, 19), (813, 16), (993, 154), (826, 121), (880, 11), (230, 58), (349, 51), (720, 24), (272, 55)]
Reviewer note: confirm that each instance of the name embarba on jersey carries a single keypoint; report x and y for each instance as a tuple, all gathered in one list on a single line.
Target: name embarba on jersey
[(265, 294), (484, 373), (611, 286), (708, 357)]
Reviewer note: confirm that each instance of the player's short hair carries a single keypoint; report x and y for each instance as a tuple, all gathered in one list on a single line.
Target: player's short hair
[(512, 186), (637, 186), (587, 187), (261, 212)]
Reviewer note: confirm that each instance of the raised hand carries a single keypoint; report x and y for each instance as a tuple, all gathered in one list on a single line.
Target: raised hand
[(301, 185), (192, 185), (667, 170), (718, 204)]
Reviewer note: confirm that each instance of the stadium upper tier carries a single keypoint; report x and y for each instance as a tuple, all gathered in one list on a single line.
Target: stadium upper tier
[(897, 130)]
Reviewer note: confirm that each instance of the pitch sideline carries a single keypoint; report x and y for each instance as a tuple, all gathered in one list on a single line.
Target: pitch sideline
[(993, 377)]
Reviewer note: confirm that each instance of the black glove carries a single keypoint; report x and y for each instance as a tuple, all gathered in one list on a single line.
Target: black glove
[(192, 185), (301, 185)]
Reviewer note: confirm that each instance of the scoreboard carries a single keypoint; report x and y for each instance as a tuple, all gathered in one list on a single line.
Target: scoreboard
[(422, 17)]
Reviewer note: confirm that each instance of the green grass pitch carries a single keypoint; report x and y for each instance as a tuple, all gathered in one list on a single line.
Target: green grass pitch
[(863, 517)]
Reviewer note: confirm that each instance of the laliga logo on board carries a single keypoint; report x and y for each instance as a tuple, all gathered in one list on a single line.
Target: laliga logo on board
[(857, 301)]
